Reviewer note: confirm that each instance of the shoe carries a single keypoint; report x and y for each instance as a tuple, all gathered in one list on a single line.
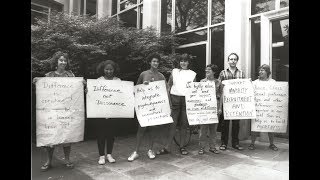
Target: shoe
[(251, 147), (214, 150), (69, 165), (110, 158), (273, 147), (162, 151), (238, 147), (183, 151), (201, 151), (133, 156), (102, 160), (223, 147), (45, 167), (151, 154)]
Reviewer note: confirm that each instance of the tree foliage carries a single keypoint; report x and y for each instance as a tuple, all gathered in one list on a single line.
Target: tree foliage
[(89, 41)]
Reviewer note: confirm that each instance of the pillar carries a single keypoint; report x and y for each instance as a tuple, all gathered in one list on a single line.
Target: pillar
[(104, 8), (152, 14)]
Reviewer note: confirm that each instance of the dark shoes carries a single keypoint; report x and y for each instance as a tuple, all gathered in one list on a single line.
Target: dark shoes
[(251, 147), (223, 147), (273, 147), (214, 150), (238, 147), (183, 151), (162, 151)]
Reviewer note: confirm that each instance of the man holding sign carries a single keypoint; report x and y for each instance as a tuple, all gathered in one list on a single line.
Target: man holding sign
[(231, 73)]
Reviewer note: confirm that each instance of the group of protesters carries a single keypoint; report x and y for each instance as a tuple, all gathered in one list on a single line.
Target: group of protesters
[(176, 88)]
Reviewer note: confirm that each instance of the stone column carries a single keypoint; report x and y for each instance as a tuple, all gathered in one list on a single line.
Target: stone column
[(236, 40), (104, 8), (152, 14)]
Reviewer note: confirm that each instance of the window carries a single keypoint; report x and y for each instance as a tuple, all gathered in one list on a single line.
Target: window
[(166, 15), (127, 4), (129, 18), (217, 47), (39, 12), (284, 3), (193, 37), (191, 14), (259, 6), (255, 46), (218, 11)]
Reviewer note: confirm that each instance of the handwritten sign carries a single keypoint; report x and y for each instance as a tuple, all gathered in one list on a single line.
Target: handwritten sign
[(110, 99), (59, 110), (201, 103), (152, 104), (238, 99), (271, 106)]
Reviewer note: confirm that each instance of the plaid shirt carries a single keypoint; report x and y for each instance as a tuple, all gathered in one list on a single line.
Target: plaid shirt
[(227, 74)]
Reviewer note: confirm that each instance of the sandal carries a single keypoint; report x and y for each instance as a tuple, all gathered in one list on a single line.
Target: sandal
[(273, 147), (201, 151), (223, 147), (183, 151), (251, 147), (238, 147), (69, 165), (162, 151), (214, 150), (45, 167)]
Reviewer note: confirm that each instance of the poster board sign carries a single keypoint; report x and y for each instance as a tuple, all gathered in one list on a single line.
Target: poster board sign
[(59, 110), (238, 99), (201, 103), (271, 100), (152, 104), (110, 99)]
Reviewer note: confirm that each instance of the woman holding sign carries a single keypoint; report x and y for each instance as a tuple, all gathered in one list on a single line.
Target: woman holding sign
[(145, 77), (211, 69), (264, 75), (178, 81), (105, 126), (60, 62)]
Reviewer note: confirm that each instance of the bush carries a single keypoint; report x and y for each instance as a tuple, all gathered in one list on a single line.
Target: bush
[(89, 41)]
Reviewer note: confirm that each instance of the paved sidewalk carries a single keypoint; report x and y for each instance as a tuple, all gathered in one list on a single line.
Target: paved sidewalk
[(262, 163)]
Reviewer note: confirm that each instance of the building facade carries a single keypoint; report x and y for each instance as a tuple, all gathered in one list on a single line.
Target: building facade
[(257, 30)]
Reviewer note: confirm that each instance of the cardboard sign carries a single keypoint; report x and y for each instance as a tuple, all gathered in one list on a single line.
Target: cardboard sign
[(201, 103), (271, 100), (110, 99), (238, 99), (152, 104), (59, 110)]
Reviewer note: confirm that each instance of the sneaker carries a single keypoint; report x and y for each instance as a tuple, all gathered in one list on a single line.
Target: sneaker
[(133, 156), (110, 158), (151, 154), (102, 160)]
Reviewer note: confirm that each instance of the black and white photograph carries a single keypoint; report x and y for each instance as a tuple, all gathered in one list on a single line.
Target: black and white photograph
[(159, 89)]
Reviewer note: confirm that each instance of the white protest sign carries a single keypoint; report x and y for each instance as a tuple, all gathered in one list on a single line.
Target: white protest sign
[(59, 110), (152, 104), (110, 99), (238, 99), (201, 103), (271, 99)]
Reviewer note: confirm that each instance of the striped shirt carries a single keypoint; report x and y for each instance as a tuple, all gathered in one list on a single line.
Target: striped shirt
[(227, 74)]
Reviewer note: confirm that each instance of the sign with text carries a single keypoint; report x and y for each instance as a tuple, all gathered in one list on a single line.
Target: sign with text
[(271, 107), (152, 104), (59, 110), (110, 99), (201, 103), (238, 99)]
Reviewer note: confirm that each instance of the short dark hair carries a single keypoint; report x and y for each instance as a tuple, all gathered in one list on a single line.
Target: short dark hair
[(56, 56), (103, 64), (235, 55), (266, 68), (213, 67), (153, 55)]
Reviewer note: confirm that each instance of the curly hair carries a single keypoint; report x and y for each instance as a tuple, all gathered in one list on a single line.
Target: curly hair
[(266, 68), (153, 55), (55, 58), (213, 67), (103, 64)]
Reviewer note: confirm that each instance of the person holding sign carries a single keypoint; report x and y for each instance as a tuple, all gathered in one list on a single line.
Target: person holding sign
[(178, 81), (264, 75), (211, 69), (59, 62), (230, 73), (145, 77), (105, 126)]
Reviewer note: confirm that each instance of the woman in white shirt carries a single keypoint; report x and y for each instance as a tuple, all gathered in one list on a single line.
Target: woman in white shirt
[(178, 81)]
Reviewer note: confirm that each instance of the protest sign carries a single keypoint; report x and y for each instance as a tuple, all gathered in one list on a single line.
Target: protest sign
[(238, 99), (271, 100), (110, 99), (201, 103), (59, 110), (152, 104)]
